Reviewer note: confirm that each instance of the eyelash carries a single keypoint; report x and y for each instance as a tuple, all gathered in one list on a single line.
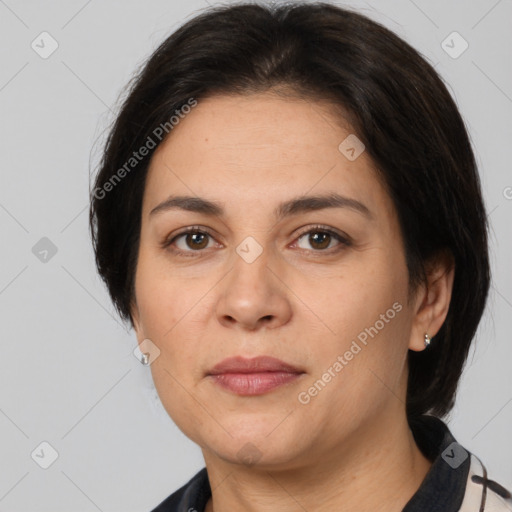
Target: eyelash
[(343, 240)]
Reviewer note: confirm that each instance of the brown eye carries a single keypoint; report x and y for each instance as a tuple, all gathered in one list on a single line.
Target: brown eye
[(321, 239), (196, 240), (190, 242)]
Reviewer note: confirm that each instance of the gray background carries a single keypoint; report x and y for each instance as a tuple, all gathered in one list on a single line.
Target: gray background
[(67, 372)]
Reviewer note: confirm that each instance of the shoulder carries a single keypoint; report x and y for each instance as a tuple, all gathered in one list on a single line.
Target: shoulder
[(458, 480), (483, 494), (191, 496)]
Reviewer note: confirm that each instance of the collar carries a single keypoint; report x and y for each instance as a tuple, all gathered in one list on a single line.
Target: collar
[(444, 485)]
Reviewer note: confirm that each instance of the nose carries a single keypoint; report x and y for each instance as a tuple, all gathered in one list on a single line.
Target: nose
[(253, 296)]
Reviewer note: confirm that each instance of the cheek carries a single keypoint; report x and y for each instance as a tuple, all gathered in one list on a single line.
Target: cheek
[(368, 289), (181, 408), (366, 307), (168, 307), (162, 297)]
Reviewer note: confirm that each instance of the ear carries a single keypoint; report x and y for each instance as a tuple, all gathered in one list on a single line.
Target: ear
[(136, 322), (432, 300)]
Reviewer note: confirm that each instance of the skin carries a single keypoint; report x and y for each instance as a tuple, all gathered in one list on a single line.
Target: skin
[(302, 300)]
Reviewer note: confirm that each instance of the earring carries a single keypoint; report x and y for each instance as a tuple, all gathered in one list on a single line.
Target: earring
[(144, 359), (427, 340)]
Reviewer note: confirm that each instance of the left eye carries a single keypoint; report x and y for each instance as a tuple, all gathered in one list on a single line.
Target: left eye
[(320, 239)]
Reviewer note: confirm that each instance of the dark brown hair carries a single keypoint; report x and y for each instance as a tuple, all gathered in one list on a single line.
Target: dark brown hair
[(396, 104)]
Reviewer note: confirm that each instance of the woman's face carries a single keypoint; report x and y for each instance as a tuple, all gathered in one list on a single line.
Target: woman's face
[(322, 288)]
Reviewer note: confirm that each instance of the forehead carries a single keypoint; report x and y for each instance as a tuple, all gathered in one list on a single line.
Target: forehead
[(259, 149), (265, 123)]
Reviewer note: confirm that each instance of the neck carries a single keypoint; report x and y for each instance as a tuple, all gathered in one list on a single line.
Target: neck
[(379, 466)]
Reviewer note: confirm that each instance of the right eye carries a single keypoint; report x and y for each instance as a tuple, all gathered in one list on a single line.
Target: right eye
[(190, 240)]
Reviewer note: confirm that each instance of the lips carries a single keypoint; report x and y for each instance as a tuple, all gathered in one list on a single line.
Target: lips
[(259, 364), (250, 377)]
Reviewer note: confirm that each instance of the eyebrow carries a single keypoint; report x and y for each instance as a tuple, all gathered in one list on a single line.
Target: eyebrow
[(288, 208)]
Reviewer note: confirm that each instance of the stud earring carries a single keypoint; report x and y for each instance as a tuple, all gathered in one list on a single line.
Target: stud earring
[(427, 340), (144, 359)]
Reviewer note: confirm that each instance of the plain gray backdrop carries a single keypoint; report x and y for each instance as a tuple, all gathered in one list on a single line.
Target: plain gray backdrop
[(68, 375)]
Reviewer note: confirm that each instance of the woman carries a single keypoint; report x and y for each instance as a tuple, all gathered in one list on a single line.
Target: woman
[(289, 213)]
